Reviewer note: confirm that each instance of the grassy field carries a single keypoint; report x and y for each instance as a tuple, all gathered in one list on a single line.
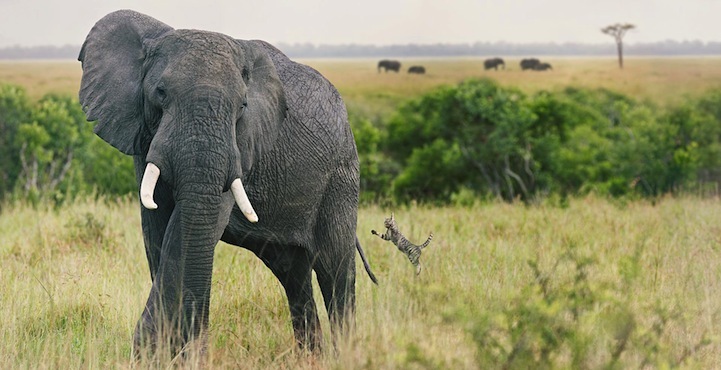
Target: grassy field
[(619, 284), (74, 280), (663, 80)]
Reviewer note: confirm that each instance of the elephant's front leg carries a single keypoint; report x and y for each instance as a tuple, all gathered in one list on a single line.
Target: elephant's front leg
[(293, 268)]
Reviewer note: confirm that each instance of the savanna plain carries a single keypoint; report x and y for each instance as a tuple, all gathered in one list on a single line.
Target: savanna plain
[(584, 282)]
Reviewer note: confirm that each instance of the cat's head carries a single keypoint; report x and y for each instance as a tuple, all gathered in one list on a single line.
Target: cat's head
[(389, 222)]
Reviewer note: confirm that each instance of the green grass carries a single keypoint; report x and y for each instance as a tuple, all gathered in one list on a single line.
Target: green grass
[(74, 280)]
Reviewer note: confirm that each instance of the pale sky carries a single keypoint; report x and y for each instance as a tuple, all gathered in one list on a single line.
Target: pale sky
[(381, 22)]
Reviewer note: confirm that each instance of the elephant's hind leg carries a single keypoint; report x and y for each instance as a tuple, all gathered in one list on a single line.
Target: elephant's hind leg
[(335, 267), (293, 268), (337, 283), (335, 270)]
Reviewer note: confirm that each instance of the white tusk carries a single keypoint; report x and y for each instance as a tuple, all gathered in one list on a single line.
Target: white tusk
[(242, 199), (147, 187)]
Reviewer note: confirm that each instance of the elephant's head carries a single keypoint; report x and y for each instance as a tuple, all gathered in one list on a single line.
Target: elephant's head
[(199, 106)]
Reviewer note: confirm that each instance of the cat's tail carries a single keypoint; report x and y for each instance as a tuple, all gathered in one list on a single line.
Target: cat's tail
[(430, 237), (365, 262)]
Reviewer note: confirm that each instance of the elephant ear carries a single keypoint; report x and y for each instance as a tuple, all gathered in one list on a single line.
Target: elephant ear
[(267, 107), (111, 88)]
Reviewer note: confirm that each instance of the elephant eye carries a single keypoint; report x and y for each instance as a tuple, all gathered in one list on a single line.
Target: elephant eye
[(245, 74), (161, 94), (243, 107)]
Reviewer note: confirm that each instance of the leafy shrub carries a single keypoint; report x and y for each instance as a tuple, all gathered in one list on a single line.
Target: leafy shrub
[(565, 318), (376, 169), (480, 138), (474, 134), (14, 110), (49, 151)]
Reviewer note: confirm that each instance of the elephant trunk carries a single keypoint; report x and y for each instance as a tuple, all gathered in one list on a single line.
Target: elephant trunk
[(198, 221), (199, 168), (182, 286)]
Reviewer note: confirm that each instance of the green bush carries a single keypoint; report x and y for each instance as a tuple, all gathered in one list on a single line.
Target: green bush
[(473, 135), (376, 169), (49, 151), (482, 139), (14, 110), (475, 140)]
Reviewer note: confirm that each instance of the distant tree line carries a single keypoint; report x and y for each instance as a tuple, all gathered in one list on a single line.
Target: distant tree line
[(40, 52), (308, 50), (669, 47)]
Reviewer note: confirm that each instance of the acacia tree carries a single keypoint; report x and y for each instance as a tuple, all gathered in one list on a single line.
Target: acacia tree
[(617, 31)]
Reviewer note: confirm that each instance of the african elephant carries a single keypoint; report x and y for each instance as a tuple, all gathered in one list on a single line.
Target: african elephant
[(530, 63), (493, 63), (542, 67), (417, 70), (232, 141), (389, 65)]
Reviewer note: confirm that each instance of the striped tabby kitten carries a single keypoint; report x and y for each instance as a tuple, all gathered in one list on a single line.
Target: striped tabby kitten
[(404, 245)]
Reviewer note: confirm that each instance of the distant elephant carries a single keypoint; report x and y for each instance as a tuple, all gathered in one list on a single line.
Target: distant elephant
[(493, 63), (542, 67), (389, 65), (417, 69), (232, 141), (530, 63)]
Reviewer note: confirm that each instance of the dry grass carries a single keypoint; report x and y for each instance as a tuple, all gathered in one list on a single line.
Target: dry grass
[(42, 77), (663, 80), (70, 298)]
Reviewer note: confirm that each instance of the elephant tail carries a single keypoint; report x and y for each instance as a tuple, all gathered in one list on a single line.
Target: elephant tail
[(365, 262)]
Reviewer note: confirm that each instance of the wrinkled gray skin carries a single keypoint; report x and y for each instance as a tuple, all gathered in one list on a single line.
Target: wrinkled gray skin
[(206, 109), (389, 65), (493, 63)]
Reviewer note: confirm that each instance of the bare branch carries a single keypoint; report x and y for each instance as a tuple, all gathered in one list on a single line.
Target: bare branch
[(479, 165), (55, 180), (515, 176)]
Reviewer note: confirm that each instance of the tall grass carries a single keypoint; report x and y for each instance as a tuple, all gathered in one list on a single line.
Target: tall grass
[(74, 281)]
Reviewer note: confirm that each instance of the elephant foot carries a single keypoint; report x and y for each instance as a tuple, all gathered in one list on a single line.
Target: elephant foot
[(308, 335), (168, 343)]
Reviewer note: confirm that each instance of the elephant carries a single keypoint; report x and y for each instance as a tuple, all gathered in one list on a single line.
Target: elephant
[(231, 141), (417, 70), (389, 65), (542, 67), (530, 63), (493, 63)]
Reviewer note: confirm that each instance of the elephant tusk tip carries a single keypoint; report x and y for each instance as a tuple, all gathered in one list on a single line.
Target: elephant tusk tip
[(150, 205), (252, 217)]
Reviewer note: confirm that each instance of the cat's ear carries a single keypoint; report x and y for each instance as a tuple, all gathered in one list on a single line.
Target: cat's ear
[(392, 217)]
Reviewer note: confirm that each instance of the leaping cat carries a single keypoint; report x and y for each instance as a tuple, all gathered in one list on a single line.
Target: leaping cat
[(394, 235)]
